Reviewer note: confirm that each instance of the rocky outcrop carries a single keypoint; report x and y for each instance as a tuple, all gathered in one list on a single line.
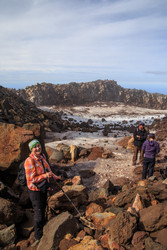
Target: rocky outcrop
[(17, 110), (89, 92)]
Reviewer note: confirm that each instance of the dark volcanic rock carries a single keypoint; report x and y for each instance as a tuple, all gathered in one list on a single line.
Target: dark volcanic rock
[(82, 93)]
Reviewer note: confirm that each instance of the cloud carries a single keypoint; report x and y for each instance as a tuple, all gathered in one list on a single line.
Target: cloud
[(156, 72), (104, 36)]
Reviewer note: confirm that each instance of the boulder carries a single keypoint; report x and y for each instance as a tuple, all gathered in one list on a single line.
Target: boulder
[(93, 208), (101, 220), (100, 193), (138, 240), (27, 226), (77, 194), (7, 235), (87, 243), (96, 152), (160, 236), (150, 244), (153, 218), (67, 243), (9, 212), (122, 228), (14, 144), (159, 190), (55, 230)]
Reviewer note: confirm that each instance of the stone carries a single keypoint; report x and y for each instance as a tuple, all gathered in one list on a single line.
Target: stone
[(16, 140), (73, 152), (55, 230), (27, 226), (56, 156), (150, 244), (95, 153), (104, 241), (122, 228), (76, 180), (137, 204), (87, 243), (138, 240), (101, 193), (152, 178), (93, 208), (165, 181), (10, 213), (159, 190), (160, 236), (8, 235), (153, 218), (77, 194), (101, 220), (109, 186), (65, 244)]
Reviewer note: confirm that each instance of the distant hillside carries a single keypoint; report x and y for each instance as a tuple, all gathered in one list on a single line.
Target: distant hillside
[(89, 92)]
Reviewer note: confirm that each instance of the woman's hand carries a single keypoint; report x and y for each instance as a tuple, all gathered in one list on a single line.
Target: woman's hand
[(49, 174)]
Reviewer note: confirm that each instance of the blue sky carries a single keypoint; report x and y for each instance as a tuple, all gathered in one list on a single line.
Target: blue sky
[(84, 40)]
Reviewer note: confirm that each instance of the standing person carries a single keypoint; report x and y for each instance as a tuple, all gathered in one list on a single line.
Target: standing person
[(38, 171), (150, 148), (140, 135)]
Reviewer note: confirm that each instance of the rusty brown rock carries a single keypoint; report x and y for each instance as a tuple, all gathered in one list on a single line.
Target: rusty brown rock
[(93, 208)]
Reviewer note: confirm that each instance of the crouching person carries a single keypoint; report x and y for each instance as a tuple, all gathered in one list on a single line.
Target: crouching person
[(38, 175), (150, 148)]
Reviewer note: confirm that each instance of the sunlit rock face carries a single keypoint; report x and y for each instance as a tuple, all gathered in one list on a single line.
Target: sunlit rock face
[(88, 92)]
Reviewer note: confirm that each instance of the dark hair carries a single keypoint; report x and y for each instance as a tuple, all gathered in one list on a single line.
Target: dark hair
[(151, 135)]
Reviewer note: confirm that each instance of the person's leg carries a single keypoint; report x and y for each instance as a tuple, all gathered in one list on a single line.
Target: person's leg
[(141, 156), (151, 167), (145, 167), (38, 204), (135, 152)]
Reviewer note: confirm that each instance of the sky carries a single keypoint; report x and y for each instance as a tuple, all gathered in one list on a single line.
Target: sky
[(84, 40)]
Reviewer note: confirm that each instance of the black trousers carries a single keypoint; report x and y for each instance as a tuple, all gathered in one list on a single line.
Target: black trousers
[(39, 201), (148, 166)]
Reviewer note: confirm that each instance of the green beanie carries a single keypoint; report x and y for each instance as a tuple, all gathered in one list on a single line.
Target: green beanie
[(33, 143)]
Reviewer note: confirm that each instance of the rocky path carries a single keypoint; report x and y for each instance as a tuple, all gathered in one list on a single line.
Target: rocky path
[(95, 173)]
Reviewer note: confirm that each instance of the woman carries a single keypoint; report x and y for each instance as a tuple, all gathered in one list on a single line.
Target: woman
[(37, 170), (150, 148)]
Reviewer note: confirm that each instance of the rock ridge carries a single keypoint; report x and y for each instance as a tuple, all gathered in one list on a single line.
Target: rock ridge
[(88, 92)]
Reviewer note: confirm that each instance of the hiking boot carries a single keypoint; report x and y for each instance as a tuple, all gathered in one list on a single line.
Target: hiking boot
[(35, 243)]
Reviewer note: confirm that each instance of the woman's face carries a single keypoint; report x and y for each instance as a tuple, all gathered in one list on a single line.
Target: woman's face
[(37, 150)]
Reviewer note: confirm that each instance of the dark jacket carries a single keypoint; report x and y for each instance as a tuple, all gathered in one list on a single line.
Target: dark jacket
[(143, 136), (150, 148)]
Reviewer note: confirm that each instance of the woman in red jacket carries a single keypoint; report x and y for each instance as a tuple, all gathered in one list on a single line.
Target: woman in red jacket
[(37, 172)]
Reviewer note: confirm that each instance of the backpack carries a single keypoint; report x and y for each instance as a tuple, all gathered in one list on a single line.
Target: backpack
[(22, 174)]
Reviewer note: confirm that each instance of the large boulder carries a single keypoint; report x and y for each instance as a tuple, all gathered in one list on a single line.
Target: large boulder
[(160, 236), (55, 230), (10, 213), (14, 144), (153, 218), (76, 193), (122, 228), (7, 235), (13, 140)]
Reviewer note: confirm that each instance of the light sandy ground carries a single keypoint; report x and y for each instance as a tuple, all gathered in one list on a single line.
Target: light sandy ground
[(112, 168)]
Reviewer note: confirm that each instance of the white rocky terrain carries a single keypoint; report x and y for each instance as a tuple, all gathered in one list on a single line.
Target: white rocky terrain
[(102, 114)]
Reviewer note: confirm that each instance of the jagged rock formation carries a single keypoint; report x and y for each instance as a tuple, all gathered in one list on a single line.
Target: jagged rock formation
[(89, 92)]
